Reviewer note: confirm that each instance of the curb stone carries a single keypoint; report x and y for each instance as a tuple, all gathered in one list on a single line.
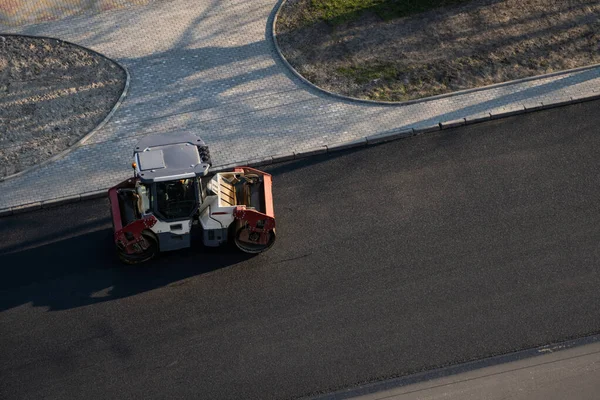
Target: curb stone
[(479, 118), (508, 111), (310, 152), (284, 157), (389, 136), (27, 207), (582, 98), (60, 201), (429, 128), (557, 103), (348, 145), (96, 194), (533, 106), (453, 124), (260, 162), (72, 145)]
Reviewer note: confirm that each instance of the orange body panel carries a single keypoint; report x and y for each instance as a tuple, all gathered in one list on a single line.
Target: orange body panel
[(268, 186)]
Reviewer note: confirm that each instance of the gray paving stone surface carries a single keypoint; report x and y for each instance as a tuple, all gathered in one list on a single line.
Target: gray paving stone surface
[(210, 67)]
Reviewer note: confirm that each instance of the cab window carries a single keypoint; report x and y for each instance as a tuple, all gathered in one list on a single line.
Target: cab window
[(176, 199)]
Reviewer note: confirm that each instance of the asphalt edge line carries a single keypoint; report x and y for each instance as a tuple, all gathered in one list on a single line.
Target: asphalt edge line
[(81, 141), (414, 101), (452, 370), (373, 140)]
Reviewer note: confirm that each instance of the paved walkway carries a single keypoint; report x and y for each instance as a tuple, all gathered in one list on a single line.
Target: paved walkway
[(210, 67)]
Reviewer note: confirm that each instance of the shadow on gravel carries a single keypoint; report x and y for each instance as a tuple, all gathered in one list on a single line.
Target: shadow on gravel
[(76, 271)]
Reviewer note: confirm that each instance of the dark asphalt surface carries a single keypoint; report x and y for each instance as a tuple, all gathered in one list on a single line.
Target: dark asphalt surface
[(407, 256)]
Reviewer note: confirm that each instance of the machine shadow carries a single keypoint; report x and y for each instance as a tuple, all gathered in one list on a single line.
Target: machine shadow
[(85, 270)]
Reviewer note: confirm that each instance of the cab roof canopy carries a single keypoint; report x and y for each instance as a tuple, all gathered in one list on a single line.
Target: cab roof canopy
[(170, 157)]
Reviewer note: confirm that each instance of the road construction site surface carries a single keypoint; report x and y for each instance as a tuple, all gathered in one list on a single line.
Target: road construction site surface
[(411, 255)]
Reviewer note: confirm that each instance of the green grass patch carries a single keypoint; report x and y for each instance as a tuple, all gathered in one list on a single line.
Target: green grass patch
[(336, 12), (366, 74)]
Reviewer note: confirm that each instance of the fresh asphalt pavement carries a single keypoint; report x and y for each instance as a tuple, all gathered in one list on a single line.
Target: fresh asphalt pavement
[(411, 255)]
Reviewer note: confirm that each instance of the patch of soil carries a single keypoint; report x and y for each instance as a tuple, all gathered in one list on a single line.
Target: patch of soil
[(51, 95), (476, 44)]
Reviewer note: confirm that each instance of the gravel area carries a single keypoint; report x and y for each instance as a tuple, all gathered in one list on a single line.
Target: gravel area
[(52, 94), (444, 50)]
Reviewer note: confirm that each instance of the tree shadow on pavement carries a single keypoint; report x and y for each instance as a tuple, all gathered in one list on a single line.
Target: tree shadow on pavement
[(77, 271)]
